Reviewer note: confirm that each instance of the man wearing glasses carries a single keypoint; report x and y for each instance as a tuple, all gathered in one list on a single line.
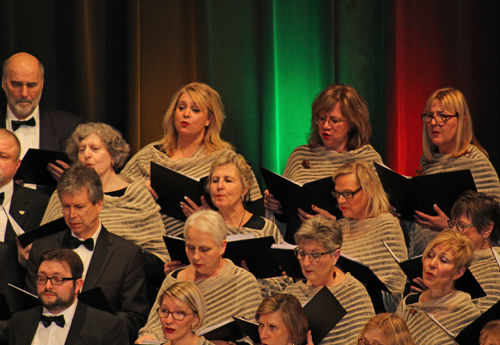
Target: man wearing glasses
[(62, 319), (110, 262)]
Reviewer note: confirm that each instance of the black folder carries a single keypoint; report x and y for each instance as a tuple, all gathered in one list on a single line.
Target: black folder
[(287, 260), (250, 328), (252, 250), (293, 195), (362, 273), (95, 298), (470, 334), (227, 331), (420, 193), (172, 186), (4, 308), (33, 167), (323, 313), (47, 229), (23, 298)]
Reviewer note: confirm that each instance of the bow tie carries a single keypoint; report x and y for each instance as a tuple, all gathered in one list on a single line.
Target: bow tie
[(75, 243), (17, 124), (47, 320)]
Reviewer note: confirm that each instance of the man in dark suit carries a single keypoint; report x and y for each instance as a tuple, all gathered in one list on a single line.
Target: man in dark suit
[(25, 206), (62, 319), (111, 262)]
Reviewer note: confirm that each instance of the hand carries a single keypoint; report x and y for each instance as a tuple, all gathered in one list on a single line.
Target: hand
[(189, 207), (419, 286), (309, 338), (57, 170), (23, 253), (392, 210), (172, 266), (151, 190), (271, 203), (304, 216), (436, 223), (244, 265), (222, 342), (145, 337)]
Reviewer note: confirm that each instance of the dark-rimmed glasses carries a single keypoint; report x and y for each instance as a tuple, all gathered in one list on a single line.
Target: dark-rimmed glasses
[(346, 195), (438, 117), (42, 280), (313, 256), (460, 227), (177, 315)]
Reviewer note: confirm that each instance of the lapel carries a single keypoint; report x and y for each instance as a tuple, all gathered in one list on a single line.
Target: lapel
[(18, 209), (3, 117), (103, 251), (47, 134), (76, 334), (25, 332)]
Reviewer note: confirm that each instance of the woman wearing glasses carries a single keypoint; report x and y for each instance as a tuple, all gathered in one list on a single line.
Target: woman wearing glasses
[(449, 144), (182, 311), (367, 223), (228, 289), (340, 132), (385, 329), (319, 241), (445, 260), (477, 216)]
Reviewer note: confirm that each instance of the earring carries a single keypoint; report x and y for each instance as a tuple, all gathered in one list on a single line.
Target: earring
[(334, 273), (242, 197)]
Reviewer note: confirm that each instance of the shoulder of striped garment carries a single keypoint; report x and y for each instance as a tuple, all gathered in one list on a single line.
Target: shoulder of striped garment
[(454, 311), (487, 272), (234, 292), (138, 168), (353, 297)]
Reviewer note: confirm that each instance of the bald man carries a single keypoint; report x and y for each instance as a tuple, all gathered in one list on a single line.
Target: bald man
[(22, 81)]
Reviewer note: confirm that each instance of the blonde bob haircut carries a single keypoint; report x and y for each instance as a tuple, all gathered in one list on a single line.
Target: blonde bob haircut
[(393, 329), (457, 244), (453, 102), (371, 187), (352, 106), (208, 100), (229, 157), (113, 140), (190, 295), (291, 312), (490, 331), (209, 222)]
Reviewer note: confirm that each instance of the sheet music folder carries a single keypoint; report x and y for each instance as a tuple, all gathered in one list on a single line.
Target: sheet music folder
[(47, 229), (293, 195), (33, 167), (421, 192), (252, 250), (172, 186)]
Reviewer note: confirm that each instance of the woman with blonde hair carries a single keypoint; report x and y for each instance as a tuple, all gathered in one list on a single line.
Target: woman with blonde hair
[(386, 329), (490, 334), (367, 225), (445, 259), (449, 145), (191, 141), (340, 133)]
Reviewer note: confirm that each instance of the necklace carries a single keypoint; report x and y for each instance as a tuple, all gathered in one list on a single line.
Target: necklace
[(241, 221)]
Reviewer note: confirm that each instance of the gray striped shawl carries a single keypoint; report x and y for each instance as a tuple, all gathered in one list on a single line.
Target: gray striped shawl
[(353, 297), (485, 269), (454, 311), (234, 292), (363, 240), (198, 165), (134, 216)]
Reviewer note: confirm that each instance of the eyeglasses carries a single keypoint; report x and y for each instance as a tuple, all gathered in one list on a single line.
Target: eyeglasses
[(365, 342), (321, 120), (438, 117), (346, 195), (314, 256), (79, 213), (460, 227), (42, 280), (177, 315)]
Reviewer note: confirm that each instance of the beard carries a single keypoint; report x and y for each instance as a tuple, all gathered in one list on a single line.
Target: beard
[(23, 107), (58, 303)]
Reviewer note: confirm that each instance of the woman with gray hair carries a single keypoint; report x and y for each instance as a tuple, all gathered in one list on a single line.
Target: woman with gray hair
[(319, 241), (228, 290), (128, 210)]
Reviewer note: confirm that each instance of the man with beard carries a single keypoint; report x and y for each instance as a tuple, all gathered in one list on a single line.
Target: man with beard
[(62, 319), (39, 128)]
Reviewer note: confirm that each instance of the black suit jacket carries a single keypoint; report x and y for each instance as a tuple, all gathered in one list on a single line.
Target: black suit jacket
[(89, 326), (56, 126), (116, 267)]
